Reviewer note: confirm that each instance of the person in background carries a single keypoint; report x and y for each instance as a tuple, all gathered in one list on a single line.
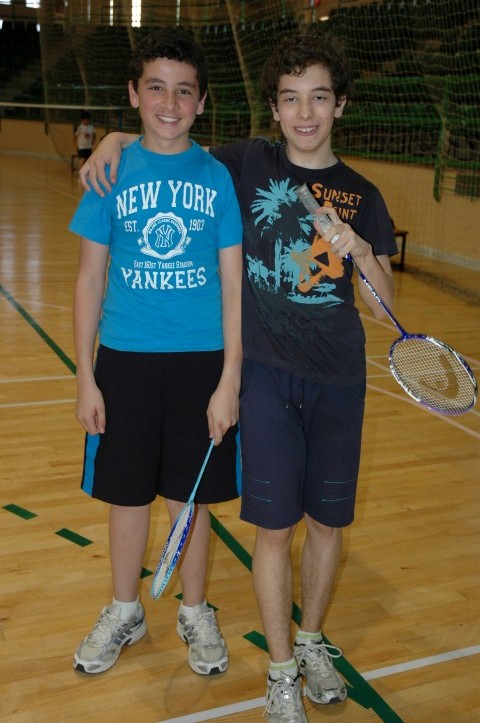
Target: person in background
[(84, 138)]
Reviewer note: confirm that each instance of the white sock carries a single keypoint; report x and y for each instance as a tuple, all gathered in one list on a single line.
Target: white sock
[(289, 667), (127, 609), (188, 611), (303, 636)]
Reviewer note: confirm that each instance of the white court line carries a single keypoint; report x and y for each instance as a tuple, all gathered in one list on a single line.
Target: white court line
[(421, 663), (40, 181), (19, 380), (43, 304), (444, 417), (46, 403), (379, 322), (370, 360), (213, 713)]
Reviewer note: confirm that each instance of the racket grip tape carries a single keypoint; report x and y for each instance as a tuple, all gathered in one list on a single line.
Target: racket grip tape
[(311, 205)]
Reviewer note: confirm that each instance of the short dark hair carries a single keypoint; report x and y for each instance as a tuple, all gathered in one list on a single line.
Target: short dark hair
[(295, 53), (174, 44), (85, 115)]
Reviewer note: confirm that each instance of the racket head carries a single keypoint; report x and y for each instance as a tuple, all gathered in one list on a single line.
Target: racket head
[(433, 374), (172, 550)]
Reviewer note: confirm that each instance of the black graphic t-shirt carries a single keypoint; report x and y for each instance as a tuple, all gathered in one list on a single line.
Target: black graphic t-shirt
[(298, 301)]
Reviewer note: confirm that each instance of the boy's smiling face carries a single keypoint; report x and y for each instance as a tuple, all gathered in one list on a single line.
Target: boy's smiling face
[(306, 109), (168, 98)]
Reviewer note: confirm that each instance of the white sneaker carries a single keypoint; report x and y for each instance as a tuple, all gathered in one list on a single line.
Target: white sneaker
[(207, 650), (99, 651), (314, 658), (284, 700)]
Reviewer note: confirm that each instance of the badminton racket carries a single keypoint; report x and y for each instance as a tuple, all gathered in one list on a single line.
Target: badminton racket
[(430, 371), (177, 537)]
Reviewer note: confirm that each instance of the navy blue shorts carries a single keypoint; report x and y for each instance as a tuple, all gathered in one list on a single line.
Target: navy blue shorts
[(156, 434), (300, 448)]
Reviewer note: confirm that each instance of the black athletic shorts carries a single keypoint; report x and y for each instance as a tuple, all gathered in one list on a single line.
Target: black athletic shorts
[(156, 434), (300, 448)]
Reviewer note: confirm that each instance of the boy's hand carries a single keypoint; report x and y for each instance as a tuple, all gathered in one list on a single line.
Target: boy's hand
[(90, 410), (222, 411), (342, 237), (92, 173)]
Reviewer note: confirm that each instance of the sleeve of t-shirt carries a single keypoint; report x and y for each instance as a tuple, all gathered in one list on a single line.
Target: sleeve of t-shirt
[(230, 228), (232, 156), (92, 218), (376, 226)]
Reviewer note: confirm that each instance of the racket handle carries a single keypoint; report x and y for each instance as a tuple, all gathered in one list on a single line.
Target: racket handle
[(200, 474), (311, 205)]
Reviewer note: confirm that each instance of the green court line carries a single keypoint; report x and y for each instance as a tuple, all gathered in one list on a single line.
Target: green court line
[(233, 544), (257, 639), (20, 511), (43, 334), (359, 690), (73, 537)]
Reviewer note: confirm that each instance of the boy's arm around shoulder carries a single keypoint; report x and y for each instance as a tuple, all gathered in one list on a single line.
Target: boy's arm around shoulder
[(108, 152)]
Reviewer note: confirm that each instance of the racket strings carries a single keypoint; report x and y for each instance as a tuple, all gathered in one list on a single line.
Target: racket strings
[(172, 550), (174, 541), (433, 374)]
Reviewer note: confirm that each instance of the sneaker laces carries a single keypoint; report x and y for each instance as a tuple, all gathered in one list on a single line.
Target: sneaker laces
[(282, 692), (320, 655), (203, 627), (106, 628)]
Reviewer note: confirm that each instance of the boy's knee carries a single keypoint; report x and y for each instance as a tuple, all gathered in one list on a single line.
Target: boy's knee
[(275, 538)]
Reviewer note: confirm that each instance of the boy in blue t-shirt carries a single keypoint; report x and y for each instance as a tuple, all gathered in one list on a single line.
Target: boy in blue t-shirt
[(159, 280)]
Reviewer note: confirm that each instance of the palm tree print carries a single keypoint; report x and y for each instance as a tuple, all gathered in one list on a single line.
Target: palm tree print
[(270, 210)]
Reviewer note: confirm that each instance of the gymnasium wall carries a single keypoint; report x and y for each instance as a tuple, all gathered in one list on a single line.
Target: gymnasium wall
[(446, 230)]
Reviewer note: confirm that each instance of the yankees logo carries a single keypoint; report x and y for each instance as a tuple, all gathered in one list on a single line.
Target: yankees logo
[(164, 236)]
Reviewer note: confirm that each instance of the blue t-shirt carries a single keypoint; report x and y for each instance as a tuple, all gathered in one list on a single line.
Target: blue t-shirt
[(165, 221)]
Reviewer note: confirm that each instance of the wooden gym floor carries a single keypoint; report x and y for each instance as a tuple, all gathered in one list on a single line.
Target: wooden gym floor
[(406, 609)]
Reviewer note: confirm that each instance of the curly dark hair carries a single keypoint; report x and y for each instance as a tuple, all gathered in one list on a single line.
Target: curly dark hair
[(296, 52), (174, 44)]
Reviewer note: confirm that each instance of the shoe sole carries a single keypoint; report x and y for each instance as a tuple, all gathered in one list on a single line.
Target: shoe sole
[(209, 668), (87, 666), (334, 700)]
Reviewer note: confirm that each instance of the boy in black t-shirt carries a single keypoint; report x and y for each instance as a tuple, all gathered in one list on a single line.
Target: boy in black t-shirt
[(303, 382)]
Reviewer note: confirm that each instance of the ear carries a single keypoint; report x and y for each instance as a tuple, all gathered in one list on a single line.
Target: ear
[(134, 102), (273, 108), (201, 104), (341, 103)]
